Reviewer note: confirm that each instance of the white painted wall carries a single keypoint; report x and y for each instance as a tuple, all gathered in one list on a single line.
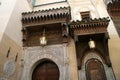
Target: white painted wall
[(40, 2), (6, 9), (10, 16), (78, 6), (14, 26), (50, 6)]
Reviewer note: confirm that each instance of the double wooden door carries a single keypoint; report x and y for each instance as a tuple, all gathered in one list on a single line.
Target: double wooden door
[(46, 70), (95, 70)]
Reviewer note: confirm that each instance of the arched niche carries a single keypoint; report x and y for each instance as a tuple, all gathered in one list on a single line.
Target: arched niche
[(105, 69)]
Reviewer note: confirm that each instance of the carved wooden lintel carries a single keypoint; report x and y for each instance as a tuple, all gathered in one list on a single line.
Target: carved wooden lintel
[(55, 34), (65, 32), (64, 29)]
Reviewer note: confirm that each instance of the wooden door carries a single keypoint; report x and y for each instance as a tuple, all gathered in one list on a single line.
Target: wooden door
[(46, 70), (95, 70)]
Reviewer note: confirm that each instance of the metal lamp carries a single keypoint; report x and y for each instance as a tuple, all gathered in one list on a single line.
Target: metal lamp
[(43, 40), (91, 44)]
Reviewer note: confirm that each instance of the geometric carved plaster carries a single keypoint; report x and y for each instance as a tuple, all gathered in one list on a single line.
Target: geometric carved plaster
[(91, 55), (9, 68), (33, 55)]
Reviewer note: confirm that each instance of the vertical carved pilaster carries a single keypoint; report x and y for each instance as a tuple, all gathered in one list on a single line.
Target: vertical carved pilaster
[(25, 35), (65, 32), (64, 29), (106, 37)]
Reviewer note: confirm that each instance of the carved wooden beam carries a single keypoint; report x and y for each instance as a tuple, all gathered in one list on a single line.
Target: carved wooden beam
[(92, 26), (41, 17), (114, 8), (65, 32)]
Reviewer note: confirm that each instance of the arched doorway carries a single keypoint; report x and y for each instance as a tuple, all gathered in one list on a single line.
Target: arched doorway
[(95, 70), (46, 70)]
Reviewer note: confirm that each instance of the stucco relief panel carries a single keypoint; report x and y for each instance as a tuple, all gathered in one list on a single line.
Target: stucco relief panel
[(56, 53)]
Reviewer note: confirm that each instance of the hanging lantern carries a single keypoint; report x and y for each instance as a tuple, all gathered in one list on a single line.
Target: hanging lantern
[(43, 40), (91, 44)]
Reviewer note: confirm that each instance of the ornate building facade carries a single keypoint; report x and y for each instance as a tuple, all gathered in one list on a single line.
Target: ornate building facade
[(59, 40)]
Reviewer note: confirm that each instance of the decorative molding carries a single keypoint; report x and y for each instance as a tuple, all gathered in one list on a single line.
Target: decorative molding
[(56, 53), (108, 70), (55, 34), (89, 26), (49, 16), (90, 56)]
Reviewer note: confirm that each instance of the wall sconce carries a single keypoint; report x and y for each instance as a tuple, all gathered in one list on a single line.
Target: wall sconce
[(43, 40), (91, 44)]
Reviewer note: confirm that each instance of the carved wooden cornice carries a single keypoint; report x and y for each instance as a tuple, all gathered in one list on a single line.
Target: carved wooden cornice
[(91, 26), (49, 16), (114, 8)]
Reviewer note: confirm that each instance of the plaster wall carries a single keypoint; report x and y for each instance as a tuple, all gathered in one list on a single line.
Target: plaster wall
[(72, 60), (6, 9), (11, 37), (6, 44), (78, 6), (40, 2), (114, 53), (51, 6), (10, 16), (14, 26)]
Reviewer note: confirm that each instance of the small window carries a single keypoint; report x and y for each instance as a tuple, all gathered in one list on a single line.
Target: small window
[(85, 15), (16, 57), (8, 52)]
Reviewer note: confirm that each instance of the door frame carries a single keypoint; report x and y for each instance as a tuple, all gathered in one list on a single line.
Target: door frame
[(98, 62), (41, 61)]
